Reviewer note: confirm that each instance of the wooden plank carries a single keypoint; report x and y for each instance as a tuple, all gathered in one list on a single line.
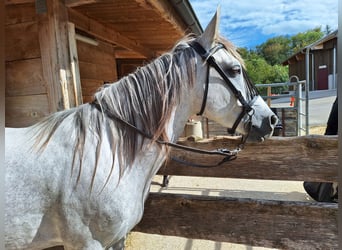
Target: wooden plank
[(20, 13), (96, 71), (107, 33), (124, 54), (97, 65), (53, 39), (107, 72), (9, 2), (88, 70), (88, 83), (23, 111), (276, 224), (74, 64), (87, 98), (25, 78), (21, 41), (95, 54), (75, 3), (166, 11), (90, 86), (309, 158)]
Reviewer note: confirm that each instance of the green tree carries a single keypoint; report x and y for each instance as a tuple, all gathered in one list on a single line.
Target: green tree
[(261, 72), (264, 64), (303, 39), (327, 30), (275, 50)]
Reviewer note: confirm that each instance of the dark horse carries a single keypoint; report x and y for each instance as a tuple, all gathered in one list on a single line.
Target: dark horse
[(326, 191)]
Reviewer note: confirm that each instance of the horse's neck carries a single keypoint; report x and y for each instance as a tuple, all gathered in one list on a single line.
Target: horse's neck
[(179, 117)]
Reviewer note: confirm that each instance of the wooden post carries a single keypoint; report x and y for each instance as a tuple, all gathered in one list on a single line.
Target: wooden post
[(269, 93), (74, 64), (54, 47)]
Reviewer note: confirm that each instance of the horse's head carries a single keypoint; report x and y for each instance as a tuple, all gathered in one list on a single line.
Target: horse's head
[(229, 97)]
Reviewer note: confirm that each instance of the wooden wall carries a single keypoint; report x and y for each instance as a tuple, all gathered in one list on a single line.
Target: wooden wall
[(322, 56), (26, 94), (127, 66), (97, 65), (298, 69)]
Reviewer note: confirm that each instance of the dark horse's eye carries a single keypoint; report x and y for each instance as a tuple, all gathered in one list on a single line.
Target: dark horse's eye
[(235, 70)]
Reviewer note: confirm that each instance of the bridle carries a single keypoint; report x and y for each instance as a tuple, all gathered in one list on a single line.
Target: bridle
[(247, 106), (247, 109)]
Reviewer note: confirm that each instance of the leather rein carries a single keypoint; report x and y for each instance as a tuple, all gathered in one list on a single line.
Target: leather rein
[(246, 110)]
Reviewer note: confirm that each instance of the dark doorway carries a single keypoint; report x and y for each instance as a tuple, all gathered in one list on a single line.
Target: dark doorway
[(322, 78)]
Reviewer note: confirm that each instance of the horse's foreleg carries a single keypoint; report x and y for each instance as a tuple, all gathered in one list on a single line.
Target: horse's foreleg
[(165, 181)]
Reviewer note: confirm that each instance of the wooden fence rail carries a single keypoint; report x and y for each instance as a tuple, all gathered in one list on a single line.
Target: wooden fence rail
[(276, 224), (310, 158), (268, 223)]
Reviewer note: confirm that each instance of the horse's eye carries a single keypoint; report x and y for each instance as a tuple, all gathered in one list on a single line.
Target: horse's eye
[(235, 70)]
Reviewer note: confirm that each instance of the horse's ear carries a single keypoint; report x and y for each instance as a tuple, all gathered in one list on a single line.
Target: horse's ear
[(210, 33)]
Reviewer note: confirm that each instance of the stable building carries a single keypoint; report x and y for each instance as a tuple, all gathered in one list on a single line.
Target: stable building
[(316, 63), (59, 52)]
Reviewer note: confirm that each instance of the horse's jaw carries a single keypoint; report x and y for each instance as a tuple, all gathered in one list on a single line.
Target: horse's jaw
[(258, 134)]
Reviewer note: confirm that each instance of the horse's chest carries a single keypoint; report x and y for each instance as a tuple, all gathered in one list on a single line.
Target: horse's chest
[(114, 210), (110, 223)]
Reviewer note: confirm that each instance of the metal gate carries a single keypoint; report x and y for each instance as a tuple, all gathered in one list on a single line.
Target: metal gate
[(298, 100)]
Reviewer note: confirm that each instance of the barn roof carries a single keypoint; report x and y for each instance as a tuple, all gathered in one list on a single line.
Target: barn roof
[(139, 28), (313, 46)]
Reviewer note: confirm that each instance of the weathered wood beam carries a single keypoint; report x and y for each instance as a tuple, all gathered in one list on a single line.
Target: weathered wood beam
[(68, 3), (300, 57), (75, 3), (107, 33), (54, 46), (166, 11), (8, 2), (306, 158), (275, 224), (75, 72), (126, 54)]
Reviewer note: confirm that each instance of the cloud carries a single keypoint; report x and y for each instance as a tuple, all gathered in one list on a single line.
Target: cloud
[(246, 21)]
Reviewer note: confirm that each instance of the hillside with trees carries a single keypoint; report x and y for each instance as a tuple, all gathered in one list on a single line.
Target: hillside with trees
[(264, 63)]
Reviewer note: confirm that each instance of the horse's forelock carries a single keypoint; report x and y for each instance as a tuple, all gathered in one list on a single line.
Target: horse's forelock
[(231, 49)]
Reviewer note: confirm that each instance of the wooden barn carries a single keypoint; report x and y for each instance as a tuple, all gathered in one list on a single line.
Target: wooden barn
[(59, 52), (316, 63)]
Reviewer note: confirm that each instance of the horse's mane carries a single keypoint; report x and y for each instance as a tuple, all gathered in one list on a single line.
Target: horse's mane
[(145, 99)]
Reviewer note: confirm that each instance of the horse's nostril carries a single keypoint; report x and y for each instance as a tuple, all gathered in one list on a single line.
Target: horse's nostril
[(274, 120)]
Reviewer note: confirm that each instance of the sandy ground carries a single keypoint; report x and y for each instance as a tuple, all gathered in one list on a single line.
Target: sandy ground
[(260, 189), (139, 241)]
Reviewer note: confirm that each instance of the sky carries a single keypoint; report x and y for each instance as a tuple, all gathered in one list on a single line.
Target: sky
[(248, 23)]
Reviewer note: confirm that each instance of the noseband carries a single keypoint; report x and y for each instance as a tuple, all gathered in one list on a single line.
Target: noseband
[(247, 106)]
